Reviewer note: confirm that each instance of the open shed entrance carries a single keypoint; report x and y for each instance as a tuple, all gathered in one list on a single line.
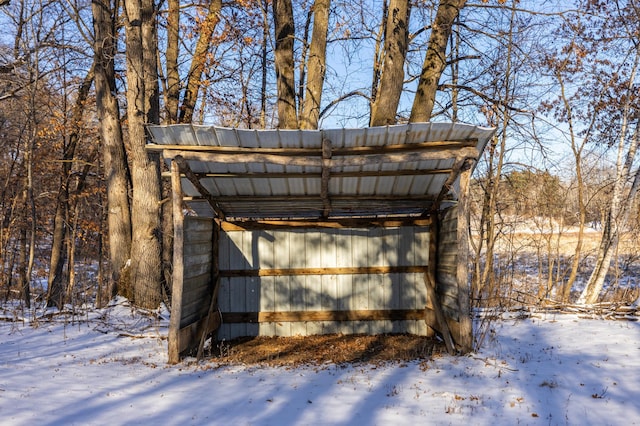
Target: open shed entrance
[(293, 232)]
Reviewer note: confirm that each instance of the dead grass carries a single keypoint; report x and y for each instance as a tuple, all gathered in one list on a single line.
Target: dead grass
[(327, 349)]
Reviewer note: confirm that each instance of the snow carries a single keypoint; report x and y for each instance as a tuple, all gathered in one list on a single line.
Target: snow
[(109, 367)]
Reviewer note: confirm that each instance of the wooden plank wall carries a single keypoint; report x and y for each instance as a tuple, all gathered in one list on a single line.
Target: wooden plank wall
[(451, 276), (338, 280), (192, 284), (197, 274)]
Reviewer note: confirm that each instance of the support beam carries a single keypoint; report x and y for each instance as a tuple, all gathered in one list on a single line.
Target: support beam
[(444, 145), (186, 171), (465, 338), (335, 162), (178, 265), (334, 175), (326, 174), (461, 165)]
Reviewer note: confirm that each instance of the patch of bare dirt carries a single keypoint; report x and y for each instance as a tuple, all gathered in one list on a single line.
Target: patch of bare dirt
[(326, 349)]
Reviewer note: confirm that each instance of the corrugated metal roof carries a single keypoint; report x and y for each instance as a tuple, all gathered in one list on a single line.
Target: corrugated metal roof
[(278, 174)]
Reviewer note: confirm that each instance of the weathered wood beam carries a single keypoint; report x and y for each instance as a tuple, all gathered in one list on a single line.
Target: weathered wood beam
[(222, 199), (310, 152), (443, 327), (326, 174), (277, 272), (460, 166), (335, 162), (174, 335), (186, 171), (296, 316), (308, 175), (332, 224)]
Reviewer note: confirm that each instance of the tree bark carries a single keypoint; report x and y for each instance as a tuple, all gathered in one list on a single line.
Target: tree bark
[(618, 210), (284, 64), (117, 177), (435, 60), (198, 62), (142, 108), (385, 105), (317, 66), (56, 281), (173, 76)]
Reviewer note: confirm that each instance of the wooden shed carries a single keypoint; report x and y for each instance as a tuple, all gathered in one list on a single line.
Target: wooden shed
[(297, 232)]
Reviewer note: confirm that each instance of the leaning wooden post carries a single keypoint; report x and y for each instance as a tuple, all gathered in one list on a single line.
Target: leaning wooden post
[(430, 283), (178, 265), (465, 339)]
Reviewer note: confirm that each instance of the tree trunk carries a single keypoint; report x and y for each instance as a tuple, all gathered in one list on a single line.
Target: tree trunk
[(284, 63), (198, 61), (117, 177), (385, 105), (435, 60), (56, 281), (317, 66), (618, 210), (142, 108), (172, 91)]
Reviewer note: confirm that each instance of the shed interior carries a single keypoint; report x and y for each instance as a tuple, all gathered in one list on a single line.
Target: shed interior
[(297, 232)]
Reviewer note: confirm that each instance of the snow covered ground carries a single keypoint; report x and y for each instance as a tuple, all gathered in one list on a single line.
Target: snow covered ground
[(109, 367)]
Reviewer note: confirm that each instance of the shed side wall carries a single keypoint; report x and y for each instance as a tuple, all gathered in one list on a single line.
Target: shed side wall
[(192, 284), (451, 275)]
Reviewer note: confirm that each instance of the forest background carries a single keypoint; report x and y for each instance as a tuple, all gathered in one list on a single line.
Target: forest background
[(555, 192)]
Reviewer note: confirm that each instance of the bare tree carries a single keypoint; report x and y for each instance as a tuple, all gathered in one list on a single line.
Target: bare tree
[(198, 61), (142, 108), (435, 59), (117, 177), (316, 65), (284, 63), (396, 39)]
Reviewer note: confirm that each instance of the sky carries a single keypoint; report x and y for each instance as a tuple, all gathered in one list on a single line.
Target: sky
[(109, 367)]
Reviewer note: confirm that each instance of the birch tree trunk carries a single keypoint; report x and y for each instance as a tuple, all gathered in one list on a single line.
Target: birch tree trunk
[(619, 204), (435, 60), (385, 104)]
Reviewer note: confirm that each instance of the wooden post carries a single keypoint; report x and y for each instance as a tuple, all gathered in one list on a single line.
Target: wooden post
[(178, 265), (326, 172), (465, 339)]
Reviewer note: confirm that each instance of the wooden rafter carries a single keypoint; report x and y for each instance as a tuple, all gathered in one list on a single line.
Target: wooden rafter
[(326, 174), (460, 166), (186, 171)]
